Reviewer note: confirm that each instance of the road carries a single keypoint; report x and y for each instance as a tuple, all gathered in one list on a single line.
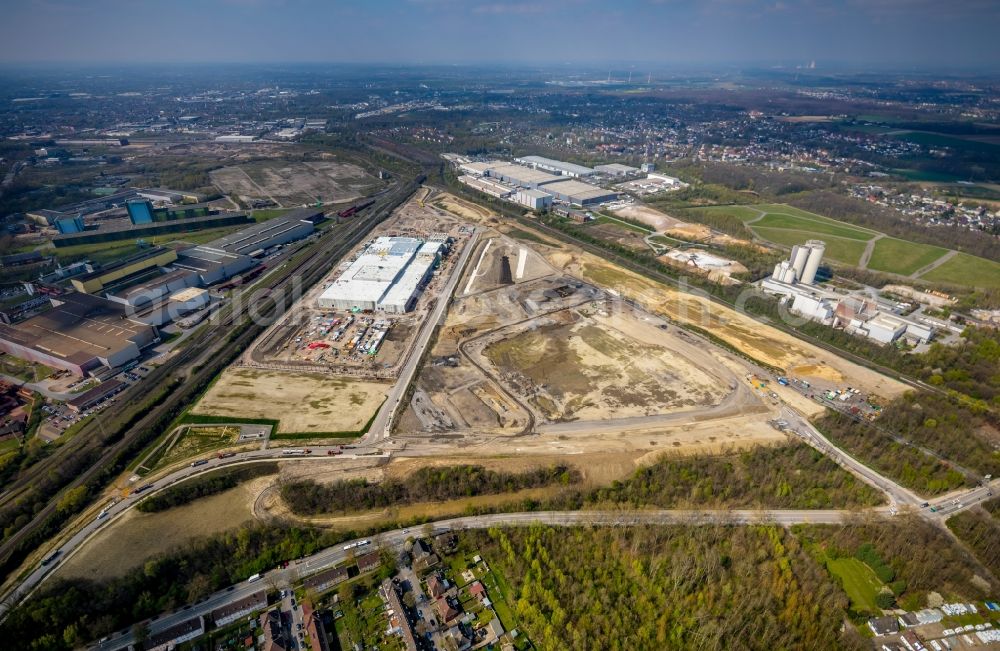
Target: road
[(897, 494), (184, 373), (332, 556), (381, 425)]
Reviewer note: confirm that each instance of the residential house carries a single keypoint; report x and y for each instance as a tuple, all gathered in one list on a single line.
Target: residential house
[(423, 557), (315, 630), (238, 609), (273, 632), (456, 639), (436, 586), (446, 612), (478, 591), (911, 641), (177, 634), (369, 562), (883, 626), (326, 579)]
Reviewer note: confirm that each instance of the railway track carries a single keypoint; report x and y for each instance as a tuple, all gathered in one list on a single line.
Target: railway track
[(219, 343)]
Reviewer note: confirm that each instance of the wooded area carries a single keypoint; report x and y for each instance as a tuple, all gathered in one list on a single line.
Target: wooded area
[(668, 588), (425, 485), (793, 476), (209, 484), (979, 528), (902, 463)]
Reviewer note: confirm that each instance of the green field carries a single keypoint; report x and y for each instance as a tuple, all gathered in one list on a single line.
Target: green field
[(967, 270), (635, 228), (846, 251), (845, 243), (859, 581), (745, 213), (901, 257), (813, 226)]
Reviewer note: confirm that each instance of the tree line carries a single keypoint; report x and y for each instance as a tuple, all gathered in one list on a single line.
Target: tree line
[(210, 484), (793, 476), (306, 497)]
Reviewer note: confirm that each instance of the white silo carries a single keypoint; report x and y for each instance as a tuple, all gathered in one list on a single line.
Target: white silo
[(778, 271), (799, 258), (816, 249), (789, 275)]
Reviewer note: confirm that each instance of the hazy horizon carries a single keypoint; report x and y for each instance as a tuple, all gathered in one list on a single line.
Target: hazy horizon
[(877, 35)]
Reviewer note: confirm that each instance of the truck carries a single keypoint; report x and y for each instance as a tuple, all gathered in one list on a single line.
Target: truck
[(255, 577), (142, 489), (199, 462), (226, 455), (783, 381)]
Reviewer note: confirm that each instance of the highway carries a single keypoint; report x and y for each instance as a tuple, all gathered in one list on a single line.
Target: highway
[(280, 578), (381, 425), (183, 375)]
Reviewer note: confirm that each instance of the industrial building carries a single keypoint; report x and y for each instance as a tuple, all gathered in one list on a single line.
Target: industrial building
[(579, 193), (68, 225), (616, 169), (79, 333), (141, 211), (794, 280), (534, 199), (145, 289), (479, 168), (96, 279), (169, 196), (95, 396), (212, 265), (388, 276), (189, 300), (137, 231), (487, 186), (555, 166), (257, 239), (803, 264), (520, 175)]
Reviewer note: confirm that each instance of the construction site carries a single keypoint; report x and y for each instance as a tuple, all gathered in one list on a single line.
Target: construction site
[(288, 184), (526, 346), (361, 319)]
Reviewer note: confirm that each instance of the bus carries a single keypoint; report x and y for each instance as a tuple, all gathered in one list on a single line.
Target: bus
[(360, 543)]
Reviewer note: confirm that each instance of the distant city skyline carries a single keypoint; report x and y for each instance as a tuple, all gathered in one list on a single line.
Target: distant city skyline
[(876, 33)]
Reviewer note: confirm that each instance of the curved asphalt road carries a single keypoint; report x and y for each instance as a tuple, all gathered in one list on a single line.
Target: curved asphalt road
[(281, 578)]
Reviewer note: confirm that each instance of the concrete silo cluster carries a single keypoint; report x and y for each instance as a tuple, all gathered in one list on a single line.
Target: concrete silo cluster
[(802, 265)]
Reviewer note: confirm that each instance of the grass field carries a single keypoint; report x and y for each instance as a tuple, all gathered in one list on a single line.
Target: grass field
[(196, 441), (845, 243), (903, 257), (745, 213), (859, 581), (604, 219), (838, 249), (967, 270), (814, 227)]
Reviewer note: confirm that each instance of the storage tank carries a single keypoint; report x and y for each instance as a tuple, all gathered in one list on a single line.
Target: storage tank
[(799, 258), (789, 275), (816, 249), (778, 269)]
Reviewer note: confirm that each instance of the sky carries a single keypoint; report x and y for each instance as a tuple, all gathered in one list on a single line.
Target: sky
[(875, 34)]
